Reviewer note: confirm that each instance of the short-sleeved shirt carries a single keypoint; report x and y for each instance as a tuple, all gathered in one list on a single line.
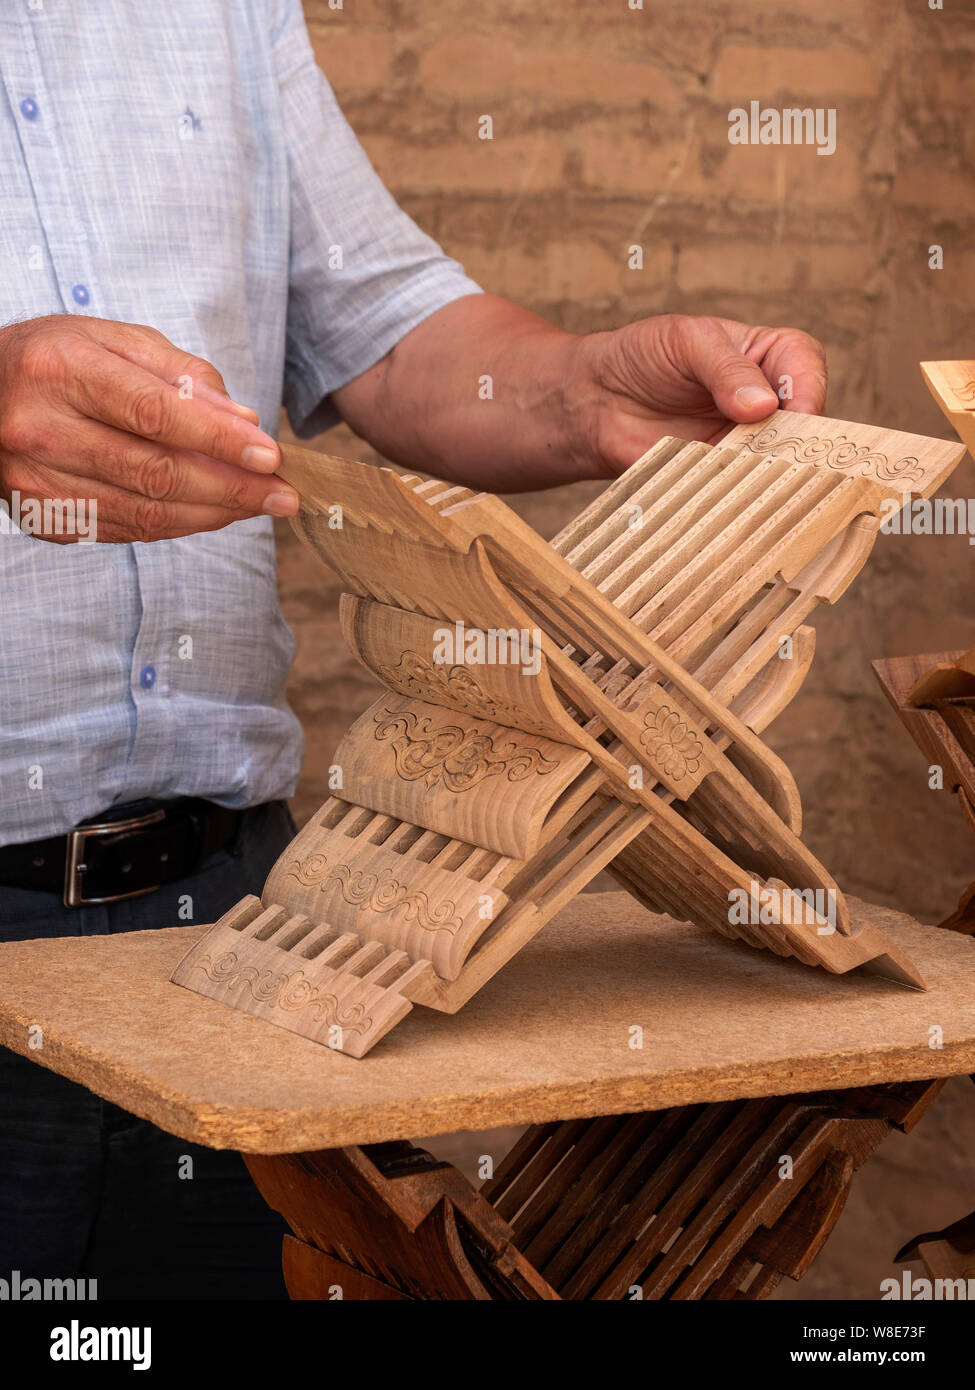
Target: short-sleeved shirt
[(182, 164)]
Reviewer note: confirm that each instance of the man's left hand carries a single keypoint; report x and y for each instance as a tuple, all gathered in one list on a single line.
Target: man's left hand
[(691, 377)]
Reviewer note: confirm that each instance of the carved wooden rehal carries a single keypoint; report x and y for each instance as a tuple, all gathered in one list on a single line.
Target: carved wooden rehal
[(553, 710)]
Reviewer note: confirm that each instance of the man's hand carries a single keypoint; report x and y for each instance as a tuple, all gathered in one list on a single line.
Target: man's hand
[(690, 377), (490, 395), (114, 412)]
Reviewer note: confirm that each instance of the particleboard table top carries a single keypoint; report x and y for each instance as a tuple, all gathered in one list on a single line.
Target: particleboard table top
[(548, 1039)]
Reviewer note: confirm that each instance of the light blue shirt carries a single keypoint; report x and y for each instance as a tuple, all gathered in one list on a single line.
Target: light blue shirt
[(182, 165)]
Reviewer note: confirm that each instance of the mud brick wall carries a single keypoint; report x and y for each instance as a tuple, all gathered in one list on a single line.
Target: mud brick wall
[(610, 128)]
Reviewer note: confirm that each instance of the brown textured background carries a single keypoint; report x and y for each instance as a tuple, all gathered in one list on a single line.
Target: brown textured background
[(610, 128)]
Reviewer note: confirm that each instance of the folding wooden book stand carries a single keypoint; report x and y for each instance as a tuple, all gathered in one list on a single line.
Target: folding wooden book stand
[(554, 710)]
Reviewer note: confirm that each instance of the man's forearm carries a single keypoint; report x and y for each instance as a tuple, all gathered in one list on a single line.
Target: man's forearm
[(490, 395), (483, 392)]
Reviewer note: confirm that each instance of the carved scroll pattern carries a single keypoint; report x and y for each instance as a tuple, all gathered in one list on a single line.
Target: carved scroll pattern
[(840, 453), (381, 892), (415, 676), (291, 993), (456, 758)]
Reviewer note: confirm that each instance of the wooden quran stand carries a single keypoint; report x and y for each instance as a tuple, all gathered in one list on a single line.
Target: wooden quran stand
[(668, 627), (636, 661)]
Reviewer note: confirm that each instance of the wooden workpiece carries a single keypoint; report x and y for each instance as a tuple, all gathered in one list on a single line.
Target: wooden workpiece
[(667, 628), (953, 386), (934, 698), (549, 1039)]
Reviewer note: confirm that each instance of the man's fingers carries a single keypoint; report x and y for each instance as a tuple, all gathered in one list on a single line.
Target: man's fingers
[(203, 392), (798, 362), (95, 454), (193, 376), (162, 521), (148, 348), (793, 361), (183, 476), (115, 391), (122, 516), (739, 387)]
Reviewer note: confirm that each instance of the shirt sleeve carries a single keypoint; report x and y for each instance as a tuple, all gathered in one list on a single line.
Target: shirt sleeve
[(362, 273)]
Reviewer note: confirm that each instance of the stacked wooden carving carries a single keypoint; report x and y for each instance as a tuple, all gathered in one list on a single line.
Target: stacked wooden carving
[(688, 1203), (615, 725), (934, 696)]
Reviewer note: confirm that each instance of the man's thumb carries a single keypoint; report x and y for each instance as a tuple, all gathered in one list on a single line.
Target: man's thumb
[(741, 390)]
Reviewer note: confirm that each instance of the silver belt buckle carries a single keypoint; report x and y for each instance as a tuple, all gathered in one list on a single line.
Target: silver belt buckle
[(74, 865)]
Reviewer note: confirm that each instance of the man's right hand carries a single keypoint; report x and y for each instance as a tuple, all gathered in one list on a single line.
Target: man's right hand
[(94, 409)]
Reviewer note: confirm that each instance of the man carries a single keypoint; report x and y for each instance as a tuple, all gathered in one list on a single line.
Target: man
[(192, 235)]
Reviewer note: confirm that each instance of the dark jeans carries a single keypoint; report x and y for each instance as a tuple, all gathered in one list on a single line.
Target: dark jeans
[(89, 1191)]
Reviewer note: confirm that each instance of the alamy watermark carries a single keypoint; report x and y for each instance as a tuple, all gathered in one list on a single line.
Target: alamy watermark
[(25, 1289), (50, 516), (929, 516), (494, 646), (78, 1343), (921, 1290), (792, 125), (763, 905)]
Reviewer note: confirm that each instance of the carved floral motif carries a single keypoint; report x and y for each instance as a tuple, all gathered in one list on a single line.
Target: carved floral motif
[(674, 748), (414, 675), (455, 757)]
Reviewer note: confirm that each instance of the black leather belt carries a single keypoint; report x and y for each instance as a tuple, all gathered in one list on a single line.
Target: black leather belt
[(122, 853)]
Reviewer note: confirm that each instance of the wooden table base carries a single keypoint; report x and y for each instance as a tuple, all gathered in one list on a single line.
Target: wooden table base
[(714, 1201)]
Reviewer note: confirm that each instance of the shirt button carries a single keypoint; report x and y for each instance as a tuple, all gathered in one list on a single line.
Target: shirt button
[(80, 294), (28, 108), (147, 677)]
